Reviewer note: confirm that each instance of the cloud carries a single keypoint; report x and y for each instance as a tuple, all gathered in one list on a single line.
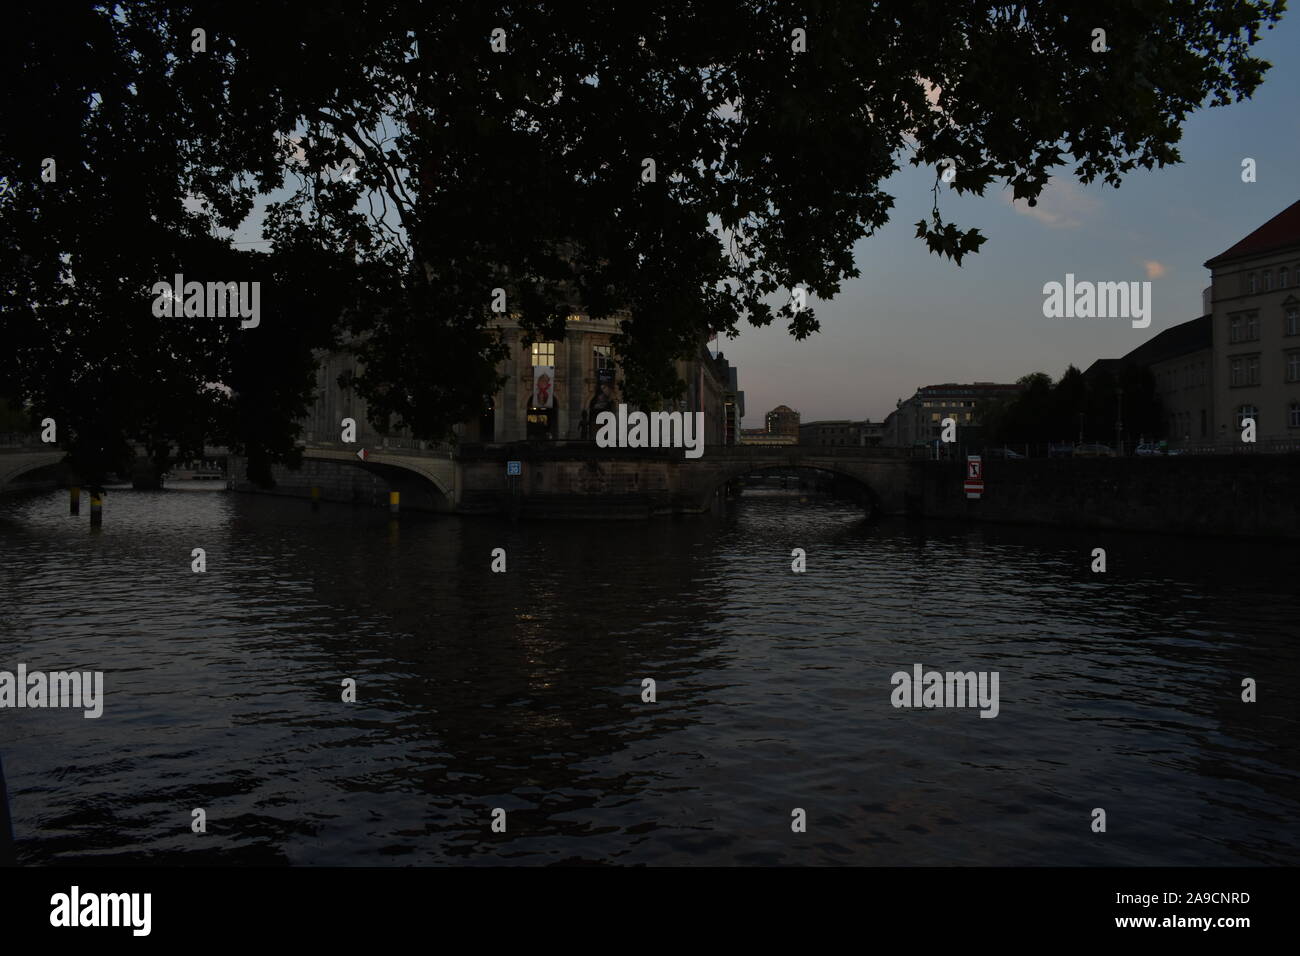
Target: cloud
[(1155, 270), (1061, 205)]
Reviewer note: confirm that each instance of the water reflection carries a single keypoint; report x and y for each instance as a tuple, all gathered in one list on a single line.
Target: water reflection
[(522, 690)]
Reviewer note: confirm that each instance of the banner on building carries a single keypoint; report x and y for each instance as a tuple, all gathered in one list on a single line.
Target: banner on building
[(543, 386), (605, 399)]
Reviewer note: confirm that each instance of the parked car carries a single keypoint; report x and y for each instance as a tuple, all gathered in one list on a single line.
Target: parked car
[(1060, 451), (1148, 448), (1001, 453), (1093, 450)]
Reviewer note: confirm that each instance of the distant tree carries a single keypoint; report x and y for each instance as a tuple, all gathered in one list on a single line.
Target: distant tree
[(505, 146)]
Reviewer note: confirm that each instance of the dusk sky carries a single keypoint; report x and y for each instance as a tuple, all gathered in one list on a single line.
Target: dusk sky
[(915, 319)]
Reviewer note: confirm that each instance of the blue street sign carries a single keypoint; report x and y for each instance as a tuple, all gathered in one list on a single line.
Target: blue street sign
[(514, 468)]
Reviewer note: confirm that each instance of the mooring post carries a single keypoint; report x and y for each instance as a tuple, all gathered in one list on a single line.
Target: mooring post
[(74, 500), (315, 498), (8, 856), (96, 509), (394, 502)]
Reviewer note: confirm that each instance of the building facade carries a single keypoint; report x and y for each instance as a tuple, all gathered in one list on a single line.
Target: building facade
[(840, 432), (919, 419), (1255, 315), (782, 421), (553, 391)]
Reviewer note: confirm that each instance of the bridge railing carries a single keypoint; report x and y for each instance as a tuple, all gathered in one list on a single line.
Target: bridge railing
[(404, 446)]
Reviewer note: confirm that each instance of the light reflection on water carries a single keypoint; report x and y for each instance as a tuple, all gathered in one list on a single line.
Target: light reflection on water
[(523, 690)]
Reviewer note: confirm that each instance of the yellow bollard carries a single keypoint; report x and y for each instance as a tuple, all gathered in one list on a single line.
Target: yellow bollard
[(394, 502), (74, 500), (96, 509), (315, 498)]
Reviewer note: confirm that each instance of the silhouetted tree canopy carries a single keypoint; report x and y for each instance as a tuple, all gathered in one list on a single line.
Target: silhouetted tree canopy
[(521, 169)]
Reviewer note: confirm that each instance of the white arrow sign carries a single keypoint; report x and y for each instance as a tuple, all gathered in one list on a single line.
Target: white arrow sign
[(363, 454)]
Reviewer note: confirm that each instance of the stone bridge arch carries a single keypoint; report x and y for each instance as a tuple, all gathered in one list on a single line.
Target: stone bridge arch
[(425, 481), (884, 474), (15, 465)]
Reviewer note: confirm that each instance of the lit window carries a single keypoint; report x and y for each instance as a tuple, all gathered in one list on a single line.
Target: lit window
[(543, 353)]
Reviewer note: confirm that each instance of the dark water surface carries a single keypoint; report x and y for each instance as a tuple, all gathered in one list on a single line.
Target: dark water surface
[(523, 690)]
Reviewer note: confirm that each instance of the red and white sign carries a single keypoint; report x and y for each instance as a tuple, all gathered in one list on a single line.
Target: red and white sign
[(974, 484)]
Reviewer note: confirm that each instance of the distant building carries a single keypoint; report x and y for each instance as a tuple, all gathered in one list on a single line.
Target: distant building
[(840, 432), (783, 421), (553, 391), (1242, 357), (733, 401), (1255, 321), (1180, 359), (918, 420)]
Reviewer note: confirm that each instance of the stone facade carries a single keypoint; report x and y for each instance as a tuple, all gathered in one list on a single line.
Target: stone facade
[(1255, 294)]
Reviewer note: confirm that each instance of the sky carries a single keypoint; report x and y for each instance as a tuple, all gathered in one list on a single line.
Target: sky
[(913, 318)]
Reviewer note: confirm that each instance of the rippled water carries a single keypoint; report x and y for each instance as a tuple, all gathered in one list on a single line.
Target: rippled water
[(523, 690)]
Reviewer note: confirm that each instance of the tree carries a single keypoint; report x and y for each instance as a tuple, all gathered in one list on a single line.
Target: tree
[(506, 146)]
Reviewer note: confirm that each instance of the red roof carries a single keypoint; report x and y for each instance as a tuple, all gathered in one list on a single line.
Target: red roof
[(1280, 231)]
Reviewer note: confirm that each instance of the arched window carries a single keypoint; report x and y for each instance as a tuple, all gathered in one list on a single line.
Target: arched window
[(1247, 411)]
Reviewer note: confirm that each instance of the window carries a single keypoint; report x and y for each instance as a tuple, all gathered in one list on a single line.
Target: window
[(1293, 415), (1293, 366), (543, 353), (1235, 325), (1204, 423), (1292, 320), (1281, 278), (1243, 370), (1253, 281), (1268, 280), (1247, 411), (1252, 327), (604, 356)]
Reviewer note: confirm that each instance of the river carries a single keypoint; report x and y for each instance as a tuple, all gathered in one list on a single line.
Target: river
[(522, 690)]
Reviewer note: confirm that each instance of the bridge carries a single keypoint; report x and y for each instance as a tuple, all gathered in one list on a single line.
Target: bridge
[(556, 478), (19, 463), (562, 478)]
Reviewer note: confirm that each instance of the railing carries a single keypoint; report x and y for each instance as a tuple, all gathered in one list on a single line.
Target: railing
[(405, 446)]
